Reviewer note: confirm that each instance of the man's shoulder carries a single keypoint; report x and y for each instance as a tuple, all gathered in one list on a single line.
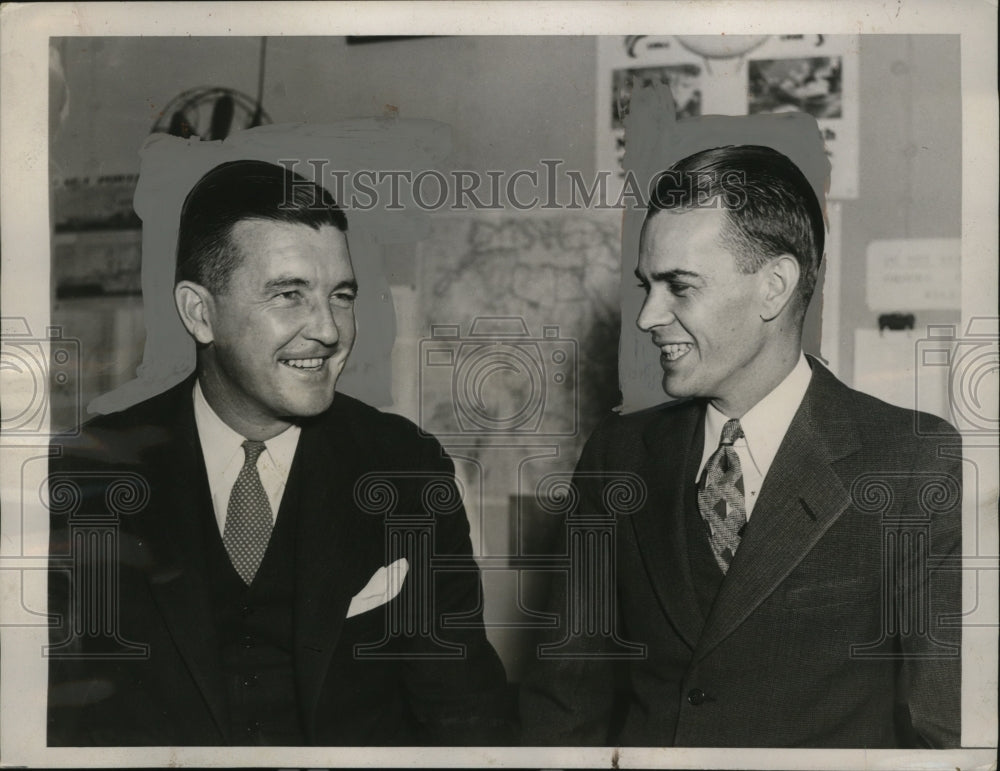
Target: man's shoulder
[(664, 414), (875, 418), (620, 431), (363, 414), (123, 436), (385, 434)]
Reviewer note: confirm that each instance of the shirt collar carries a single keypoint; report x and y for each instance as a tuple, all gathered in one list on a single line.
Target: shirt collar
[(766, 423), (219, 442)]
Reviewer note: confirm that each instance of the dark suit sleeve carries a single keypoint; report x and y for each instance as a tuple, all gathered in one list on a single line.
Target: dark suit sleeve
[(455, 681), (931, 682), (81, 662), (568, 696), (67, 686)]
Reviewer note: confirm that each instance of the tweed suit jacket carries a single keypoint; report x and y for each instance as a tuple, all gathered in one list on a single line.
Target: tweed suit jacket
[(426, 684), (837, 624)]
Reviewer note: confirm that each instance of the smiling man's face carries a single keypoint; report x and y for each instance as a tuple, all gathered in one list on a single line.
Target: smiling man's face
[(700, 310), (282, 329)]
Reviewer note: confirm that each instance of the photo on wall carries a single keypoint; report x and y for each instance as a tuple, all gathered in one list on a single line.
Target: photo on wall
[(811, 85)]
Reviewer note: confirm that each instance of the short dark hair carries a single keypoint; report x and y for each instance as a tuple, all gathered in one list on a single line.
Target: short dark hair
[(772, 209), (237, 191)]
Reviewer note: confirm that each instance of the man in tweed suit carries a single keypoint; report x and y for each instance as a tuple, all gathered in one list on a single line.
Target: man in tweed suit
[(789, 580)]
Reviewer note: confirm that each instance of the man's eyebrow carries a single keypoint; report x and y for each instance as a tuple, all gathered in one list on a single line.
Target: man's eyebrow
[(289, 282), (285, 282), (668, 275)]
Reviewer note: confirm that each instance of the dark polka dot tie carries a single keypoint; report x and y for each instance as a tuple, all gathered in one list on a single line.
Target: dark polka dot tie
[(720, 497), (248, 517)]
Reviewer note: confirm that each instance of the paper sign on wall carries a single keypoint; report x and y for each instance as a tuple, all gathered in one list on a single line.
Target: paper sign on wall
[(914, 274)]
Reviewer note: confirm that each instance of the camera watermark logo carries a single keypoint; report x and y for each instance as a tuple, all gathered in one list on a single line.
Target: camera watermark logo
[(35, 371), (590, 613), (86, 509), (973, 364), (911, 612), (501, 380), (409, 503)]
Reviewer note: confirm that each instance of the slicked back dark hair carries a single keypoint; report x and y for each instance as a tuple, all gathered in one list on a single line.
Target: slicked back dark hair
[(772, 209), (237, 191)]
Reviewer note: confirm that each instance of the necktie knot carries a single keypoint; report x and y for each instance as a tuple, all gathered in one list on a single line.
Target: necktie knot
[(731, 432), (252, 450)]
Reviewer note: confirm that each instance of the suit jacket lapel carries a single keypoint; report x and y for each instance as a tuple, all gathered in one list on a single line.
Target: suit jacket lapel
[(660, 526), (172, 530), (801, 498), (328, 552)]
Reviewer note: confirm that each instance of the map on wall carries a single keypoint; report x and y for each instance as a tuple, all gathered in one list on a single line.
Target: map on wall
[(523, 317)]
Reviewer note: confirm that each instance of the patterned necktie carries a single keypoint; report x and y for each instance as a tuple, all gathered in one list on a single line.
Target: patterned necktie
[(248, 517), (720, 497)]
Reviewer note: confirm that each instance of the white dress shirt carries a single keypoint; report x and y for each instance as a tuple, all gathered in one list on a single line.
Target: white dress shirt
[(764, 427), (224, 457)]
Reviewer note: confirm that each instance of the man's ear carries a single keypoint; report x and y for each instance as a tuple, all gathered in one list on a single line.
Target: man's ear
[(780, 280), (194, 304)]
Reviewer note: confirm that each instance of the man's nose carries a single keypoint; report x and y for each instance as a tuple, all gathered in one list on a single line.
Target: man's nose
[(323, 325), (656, 311)]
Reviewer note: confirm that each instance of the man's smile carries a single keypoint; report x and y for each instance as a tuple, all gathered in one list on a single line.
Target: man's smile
[(674, 351), (310, 364)]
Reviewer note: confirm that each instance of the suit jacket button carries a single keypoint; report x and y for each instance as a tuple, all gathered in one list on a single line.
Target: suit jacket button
[(696, 696)]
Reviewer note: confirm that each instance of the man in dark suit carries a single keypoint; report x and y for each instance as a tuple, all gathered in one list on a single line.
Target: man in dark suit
[(790, 578), (245, 558)]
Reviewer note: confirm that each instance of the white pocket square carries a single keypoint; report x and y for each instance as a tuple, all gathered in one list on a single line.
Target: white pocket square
[(382, 587)]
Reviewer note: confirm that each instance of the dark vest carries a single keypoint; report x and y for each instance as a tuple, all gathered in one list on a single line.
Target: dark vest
[(254, 627)]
